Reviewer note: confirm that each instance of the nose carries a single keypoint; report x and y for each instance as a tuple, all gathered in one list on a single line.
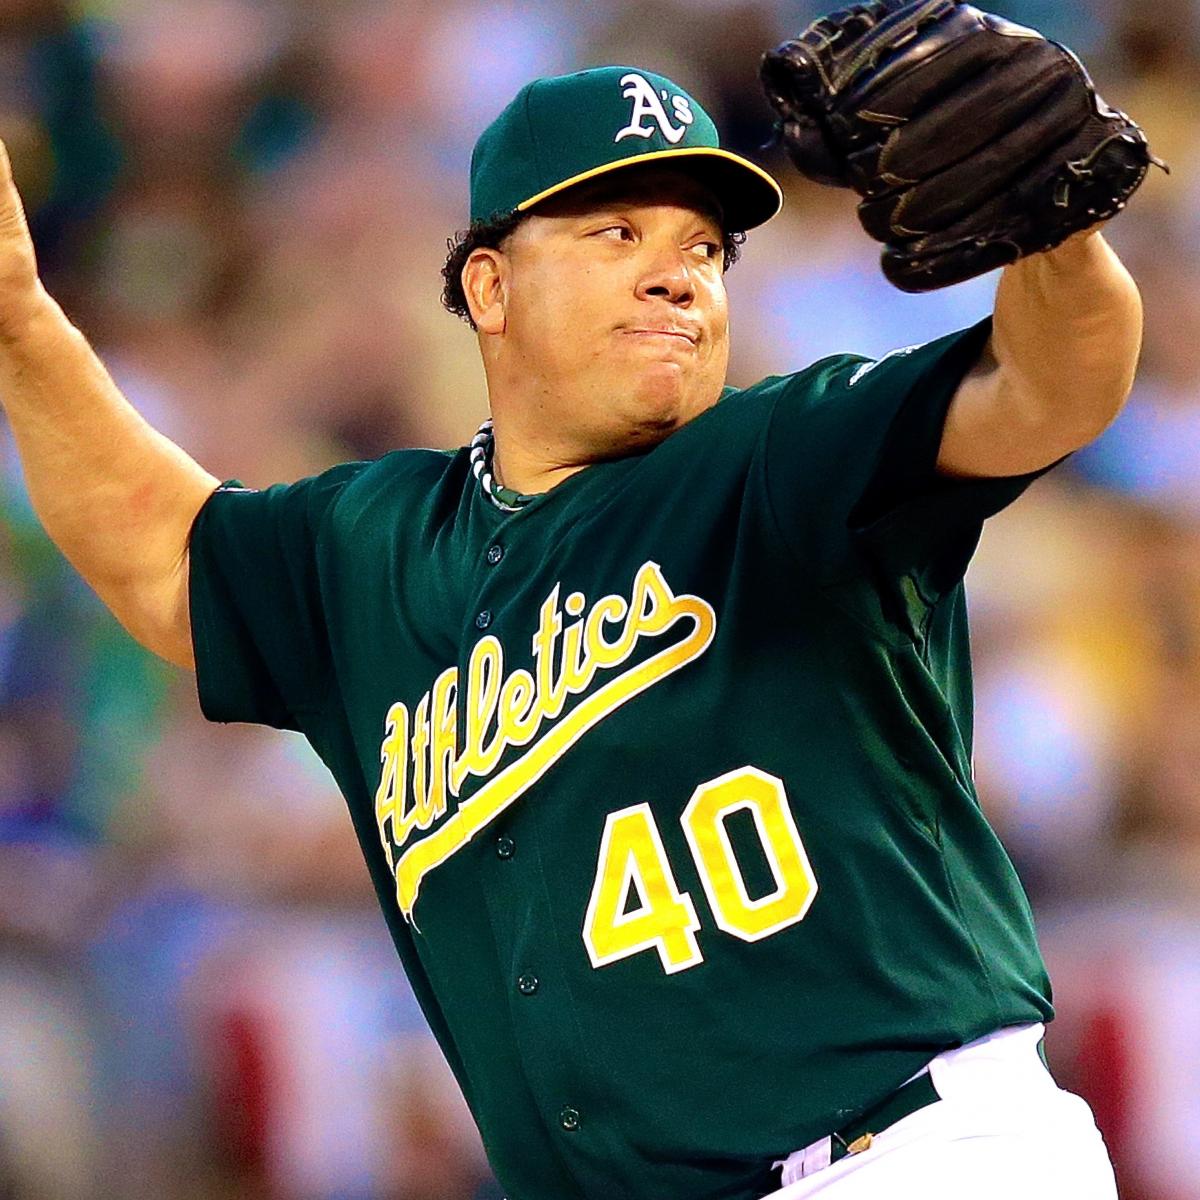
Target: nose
[(667, 278)]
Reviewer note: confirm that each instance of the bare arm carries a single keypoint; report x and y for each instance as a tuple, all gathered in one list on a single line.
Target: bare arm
[(116, 496), (1058, 368)]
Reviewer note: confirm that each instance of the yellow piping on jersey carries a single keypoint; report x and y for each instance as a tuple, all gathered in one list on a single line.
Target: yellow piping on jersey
[(653, 611)]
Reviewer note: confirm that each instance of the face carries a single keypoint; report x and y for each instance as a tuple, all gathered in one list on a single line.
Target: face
[(605, 316)]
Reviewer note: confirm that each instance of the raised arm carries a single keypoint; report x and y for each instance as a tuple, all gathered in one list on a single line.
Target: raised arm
[(1059, 365), (116, 496), (976, 143)]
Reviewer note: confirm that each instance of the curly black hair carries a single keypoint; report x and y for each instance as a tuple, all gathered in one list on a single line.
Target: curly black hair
[(490, 235)]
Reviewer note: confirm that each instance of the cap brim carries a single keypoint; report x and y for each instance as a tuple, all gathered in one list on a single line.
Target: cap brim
[(747, 194)]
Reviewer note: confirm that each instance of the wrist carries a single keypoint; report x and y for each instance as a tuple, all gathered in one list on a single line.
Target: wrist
[(1077, 248), (27, 320)]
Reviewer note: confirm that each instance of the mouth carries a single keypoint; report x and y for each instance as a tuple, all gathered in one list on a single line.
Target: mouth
[(683, 336)]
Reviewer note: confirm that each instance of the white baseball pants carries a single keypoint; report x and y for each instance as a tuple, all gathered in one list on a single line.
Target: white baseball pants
[(1002, 1129)]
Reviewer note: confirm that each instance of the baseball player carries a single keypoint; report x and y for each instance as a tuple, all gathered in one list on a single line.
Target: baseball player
[(652, 706)]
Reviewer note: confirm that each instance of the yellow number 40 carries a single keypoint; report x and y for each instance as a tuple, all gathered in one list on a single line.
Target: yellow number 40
[(636, 904)]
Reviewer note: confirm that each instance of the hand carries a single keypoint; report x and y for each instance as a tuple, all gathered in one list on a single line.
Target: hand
[(21, 292), (973, 141)]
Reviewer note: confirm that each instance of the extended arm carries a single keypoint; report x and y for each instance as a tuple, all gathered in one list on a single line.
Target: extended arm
[(1065, 341), (973, 143), (116, 496)]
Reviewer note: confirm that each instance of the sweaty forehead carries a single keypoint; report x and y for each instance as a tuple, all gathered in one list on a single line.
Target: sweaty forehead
[(636, 186)]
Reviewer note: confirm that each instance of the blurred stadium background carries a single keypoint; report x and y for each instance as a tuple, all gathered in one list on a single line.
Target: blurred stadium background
[(245, 205)]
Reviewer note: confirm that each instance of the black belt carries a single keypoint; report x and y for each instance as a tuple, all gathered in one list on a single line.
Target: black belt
[(905, 1100)]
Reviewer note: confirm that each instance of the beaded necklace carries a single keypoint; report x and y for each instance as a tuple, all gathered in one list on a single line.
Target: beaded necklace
[(483, 448)]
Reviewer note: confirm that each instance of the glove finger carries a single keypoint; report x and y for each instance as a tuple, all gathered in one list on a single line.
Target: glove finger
[(797, 75), (810, 151), (980, 111), (1070, 190), (900, 30), (793, 78), (957, 253), (945, 267), (959, 47), (942, 199)]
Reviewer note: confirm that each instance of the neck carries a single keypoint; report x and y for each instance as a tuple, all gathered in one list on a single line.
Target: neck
[(530, 466), (532, 455)]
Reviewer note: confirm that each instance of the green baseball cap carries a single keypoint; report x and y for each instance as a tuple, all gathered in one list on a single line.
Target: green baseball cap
[(565, 129)]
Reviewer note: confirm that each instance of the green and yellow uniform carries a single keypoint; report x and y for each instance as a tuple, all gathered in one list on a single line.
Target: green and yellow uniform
[(663, 779)]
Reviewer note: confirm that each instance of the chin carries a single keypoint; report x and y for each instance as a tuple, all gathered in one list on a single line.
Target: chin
[(666, 398)]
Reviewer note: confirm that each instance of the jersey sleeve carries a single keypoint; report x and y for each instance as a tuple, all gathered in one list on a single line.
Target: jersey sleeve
[(257, 614), (852, 465)]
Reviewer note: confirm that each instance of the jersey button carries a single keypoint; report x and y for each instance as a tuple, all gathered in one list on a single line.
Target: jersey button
[(484, 619), (568, 1118), (495, 554), (505, 847), (527, 983)]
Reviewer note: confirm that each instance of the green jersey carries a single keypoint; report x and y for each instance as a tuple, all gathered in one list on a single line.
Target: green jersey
[(663, 779)]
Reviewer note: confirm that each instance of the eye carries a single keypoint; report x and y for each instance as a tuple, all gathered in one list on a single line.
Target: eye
[(616, 233)]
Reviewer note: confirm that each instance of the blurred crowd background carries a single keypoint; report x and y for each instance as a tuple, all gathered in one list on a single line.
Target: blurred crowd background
[(245, 205)]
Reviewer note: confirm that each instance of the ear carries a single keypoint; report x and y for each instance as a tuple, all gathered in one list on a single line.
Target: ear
[(484, 280)]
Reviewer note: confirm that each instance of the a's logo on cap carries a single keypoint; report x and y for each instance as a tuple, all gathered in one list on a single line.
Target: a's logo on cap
[(646, 103)]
